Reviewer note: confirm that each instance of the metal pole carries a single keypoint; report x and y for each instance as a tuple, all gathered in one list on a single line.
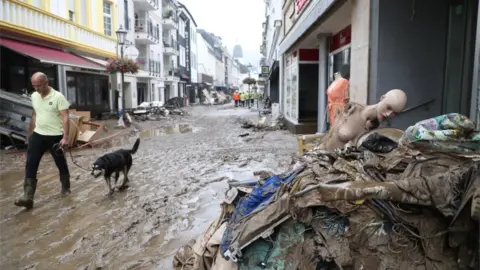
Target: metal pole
[(249, 92), (123, 83), (256, 95)]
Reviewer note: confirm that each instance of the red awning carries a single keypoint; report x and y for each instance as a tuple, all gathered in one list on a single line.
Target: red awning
[(49, 55)]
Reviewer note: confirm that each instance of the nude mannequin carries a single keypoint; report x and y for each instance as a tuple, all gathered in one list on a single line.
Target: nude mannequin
[(357, 119)]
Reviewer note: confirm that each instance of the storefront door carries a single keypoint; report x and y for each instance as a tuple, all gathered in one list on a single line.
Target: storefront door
[(460, 56), (141, 93)]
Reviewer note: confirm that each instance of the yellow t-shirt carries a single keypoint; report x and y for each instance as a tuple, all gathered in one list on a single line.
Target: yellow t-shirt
[(48, 119)]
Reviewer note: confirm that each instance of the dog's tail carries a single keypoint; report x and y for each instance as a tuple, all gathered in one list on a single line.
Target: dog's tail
[(135, 146)]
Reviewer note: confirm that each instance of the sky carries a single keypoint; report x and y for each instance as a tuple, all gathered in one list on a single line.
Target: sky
[(235, 21)]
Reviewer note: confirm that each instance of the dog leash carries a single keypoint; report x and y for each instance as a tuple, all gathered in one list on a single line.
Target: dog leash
[(61, 148)]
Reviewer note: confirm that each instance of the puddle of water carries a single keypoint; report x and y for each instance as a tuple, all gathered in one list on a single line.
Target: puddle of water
[(174, 129)]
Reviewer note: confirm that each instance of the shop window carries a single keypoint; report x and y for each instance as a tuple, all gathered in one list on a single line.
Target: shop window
[(96, 93), (291, 88), (88, 91), (72, 90)]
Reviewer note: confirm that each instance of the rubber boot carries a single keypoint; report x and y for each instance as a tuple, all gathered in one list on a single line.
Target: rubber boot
[(65, 180), (29, 187)]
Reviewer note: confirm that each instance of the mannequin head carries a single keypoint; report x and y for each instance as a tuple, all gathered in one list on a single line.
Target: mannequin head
[(337, 75), (391, 104)]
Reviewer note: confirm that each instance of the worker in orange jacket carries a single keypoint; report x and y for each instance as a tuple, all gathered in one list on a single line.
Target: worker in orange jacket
[(236, 98)]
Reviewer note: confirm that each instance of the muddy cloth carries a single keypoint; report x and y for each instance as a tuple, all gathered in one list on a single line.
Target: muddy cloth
[(260, 197), (392, 209), (378, 143), (279, 251), (449, 132)]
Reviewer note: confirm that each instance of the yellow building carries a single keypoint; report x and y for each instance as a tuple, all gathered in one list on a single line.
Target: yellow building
[(84, 25), (69, 40)]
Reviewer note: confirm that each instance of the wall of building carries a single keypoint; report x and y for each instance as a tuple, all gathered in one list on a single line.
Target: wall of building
[(206, 60), (360, 51), (274, 12), (193, 53), (219, 79), (50, 19), (235, 74), (147, 52), (413, 59), (181, 42)]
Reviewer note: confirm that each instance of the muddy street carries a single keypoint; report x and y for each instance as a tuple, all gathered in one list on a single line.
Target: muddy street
[(177, 181)]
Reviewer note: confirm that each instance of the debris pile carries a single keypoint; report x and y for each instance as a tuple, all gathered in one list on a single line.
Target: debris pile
[(382, 205), (154, 111), (264, 123), (214, 97)]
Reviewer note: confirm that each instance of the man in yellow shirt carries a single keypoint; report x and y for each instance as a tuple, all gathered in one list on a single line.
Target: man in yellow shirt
[(47, 130)]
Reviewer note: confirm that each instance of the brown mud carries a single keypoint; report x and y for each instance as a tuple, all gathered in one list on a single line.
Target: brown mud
[(177, 181)]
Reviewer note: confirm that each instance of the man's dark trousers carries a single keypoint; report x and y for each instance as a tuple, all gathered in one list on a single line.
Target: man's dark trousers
[(37, 146)]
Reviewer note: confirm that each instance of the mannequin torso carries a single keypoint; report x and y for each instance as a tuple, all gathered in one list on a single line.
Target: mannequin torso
[(357, 119)]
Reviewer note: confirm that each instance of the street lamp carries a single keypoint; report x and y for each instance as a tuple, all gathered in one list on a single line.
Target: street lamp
[(255, 88), (121, 36), (249, 90)]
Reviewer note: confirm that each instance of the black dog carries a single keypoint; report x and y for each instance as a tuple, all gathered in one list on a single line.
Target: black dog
[(115, 162)]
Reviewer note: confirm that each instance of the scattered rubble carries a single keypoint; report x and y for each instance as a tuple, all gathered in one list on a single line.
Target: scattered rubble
[(264, 123), (389, 206)]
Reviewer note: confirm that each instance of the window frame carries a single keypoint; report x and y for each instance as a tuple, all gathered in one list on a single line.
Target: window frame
[(107, 15)]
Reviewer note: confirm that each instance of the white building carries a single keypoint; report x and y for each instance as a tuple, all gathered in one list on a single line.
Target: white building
[(271, 37), (143, 22), (170, 25), (206, 62), (219, 79), (234, 75), (188, 53)]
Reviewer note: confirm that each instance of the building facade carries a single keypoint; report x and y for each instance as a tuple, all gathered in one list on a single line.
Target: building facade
[(206, 62), (143, 22), (216, 49), (379, 45), (68, 41), (188, 53), (271, 37), (170, 24)]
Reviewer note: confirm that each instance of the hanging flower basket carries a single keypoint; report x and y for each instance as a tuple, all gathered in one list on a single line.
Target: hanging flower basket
[(249, 81), (124, 65)]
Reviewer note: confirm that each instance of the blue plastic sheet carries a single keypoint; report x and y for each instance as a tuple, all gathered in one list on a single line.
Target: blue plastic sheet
[(259, 198)]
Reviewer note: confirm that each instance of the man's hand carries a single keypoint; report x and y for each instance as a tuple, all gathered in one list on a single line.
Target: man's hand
[(64, 141)]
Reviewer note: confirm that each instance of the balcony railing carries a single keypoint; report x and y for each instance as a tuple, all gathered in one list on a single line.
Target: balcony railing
[(170, 44), (170, 14), (172, 74), (146, 4), (148, 29), (54, 28), (154, 68), (151, 66)]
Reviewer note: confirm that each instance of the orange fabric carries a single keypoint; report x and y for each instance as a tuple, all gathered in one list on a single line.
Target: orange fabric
[(337, 94), (236, 96)]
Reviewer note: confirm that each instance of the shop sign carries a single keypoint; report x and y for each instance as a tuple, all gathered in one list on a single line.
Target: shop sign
[(300, 5), (265, 71), (340, 39)]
